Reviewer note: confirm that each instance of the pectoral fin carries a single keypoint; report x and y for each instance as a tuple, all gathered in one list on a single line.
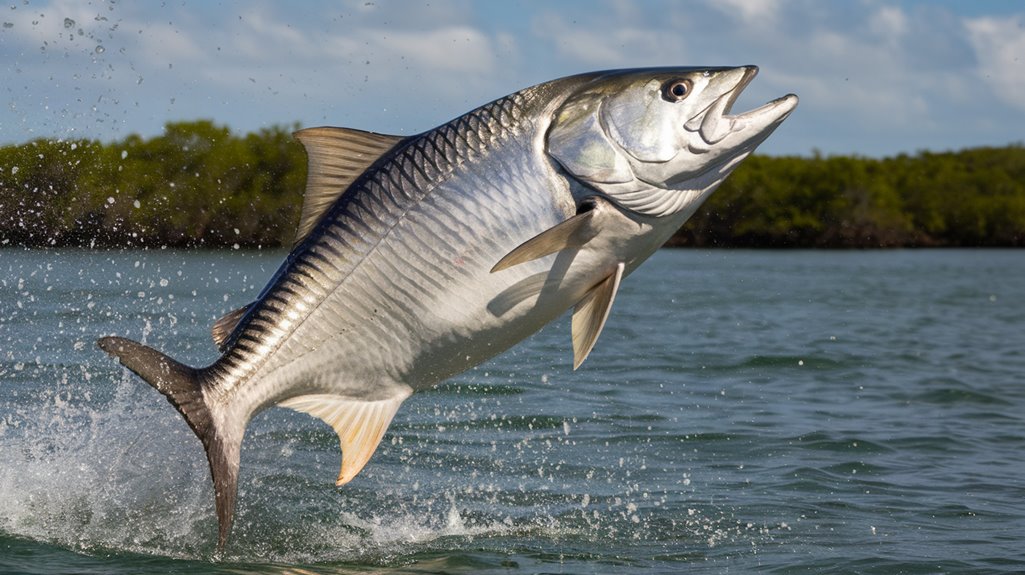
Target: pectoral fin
[(360, 425), (517, 293), (572, 233), (590, 314)]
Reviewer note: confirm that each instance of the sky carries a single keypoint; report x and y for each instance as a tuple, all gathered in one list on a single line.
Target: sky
[(875, 77)]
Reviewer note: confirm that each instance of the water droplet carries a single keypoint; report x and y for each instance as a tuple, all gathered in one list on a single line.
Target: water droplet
[(8, 24), (137, 204), (100, 49), (124, 154), (69, 23)]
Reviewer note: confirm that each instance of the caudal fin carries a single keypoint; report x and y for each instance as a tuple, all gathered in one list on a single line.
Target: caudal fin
[(182, 386)]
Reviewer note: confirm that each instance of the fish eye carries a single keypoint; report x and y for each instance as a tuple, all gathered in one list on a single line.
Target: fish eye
[(676, 90)]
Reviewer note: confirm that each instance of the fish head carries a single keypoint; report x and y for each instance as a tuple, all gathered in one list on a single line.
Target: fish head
[(658, 141)]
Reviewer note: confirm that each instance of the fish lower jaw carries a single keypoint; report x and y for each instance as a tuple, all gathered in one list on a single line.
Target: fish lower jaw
[(777, 110), (716, 124)]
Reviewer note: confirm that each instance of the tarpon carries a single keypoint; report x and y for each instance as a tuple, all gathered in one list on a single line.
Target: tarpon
[(419, 257)]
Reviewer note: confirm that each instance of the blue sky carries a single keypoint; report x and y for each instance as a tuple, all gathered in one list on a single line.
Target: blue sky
[(876, 77)]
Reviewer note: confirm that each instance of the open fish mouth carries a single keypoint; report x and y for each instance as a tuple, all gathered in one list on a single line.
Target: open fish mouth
[(731, 97), (715, 123)]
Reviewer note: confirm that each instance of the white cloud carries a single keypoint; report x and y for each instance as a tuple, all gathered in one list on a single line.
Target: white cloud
[(871, 74), (760, 12), (598, 49), (1000, 48), (263, 37), (161, 44), (67, 25), (888, 22), (459, 49), (608, 39)]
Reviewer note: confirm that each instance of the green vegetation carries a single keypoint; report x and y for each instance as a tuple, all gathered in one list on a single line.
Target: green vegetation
[(195, 185), (200, 185), (974, 197)]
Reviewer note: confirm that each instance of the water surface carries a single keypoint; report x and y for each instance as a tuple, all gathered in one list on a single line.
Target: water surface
[(790, 412)]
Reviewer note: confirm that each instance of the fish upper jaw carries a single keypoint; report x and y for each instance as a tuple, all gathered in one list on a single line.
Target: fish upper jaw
[(714, 124)]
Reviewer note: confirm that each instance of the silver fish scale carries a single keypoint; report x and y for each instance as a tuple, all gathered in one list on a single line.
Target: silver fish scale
[(393, 283)]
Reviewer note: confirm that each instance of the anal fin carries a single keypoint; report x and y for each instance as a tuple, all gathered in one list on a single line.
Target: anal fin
[(360, 425), (590, 314)]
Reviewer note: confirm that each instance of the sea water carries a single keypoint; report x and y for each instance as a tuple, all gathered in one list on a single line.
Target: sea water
[(743, 411)]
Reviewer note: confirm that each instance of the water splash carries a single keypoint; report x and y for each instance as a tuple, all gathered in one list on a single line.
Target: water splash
[(73, 474)]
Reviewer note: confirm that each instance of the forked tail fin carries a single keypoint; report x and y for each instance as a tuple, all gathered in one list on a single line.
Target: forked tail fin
[(182, 385)]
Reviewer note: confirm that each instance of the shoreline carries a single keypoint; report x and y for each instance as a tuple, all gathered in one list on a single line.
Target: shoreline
[(200, 185)]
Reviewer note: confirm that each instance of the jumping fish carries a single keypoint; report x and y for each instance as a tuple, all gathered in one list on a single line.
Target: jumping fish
[(419, 257)]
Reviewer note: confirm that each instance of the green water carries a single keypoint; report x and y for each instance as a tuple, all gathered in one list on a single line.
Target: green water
[(771, 412)]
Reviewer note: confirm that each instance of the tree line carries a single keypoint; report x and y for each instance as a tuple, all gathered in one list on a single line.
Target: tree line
[(198, 184)]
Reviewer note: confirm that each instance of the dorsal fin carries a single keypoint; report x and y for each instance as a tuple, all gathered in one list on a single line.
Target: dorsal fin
[(336, 157), (360, 425), (590, 314), (223, 327)]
